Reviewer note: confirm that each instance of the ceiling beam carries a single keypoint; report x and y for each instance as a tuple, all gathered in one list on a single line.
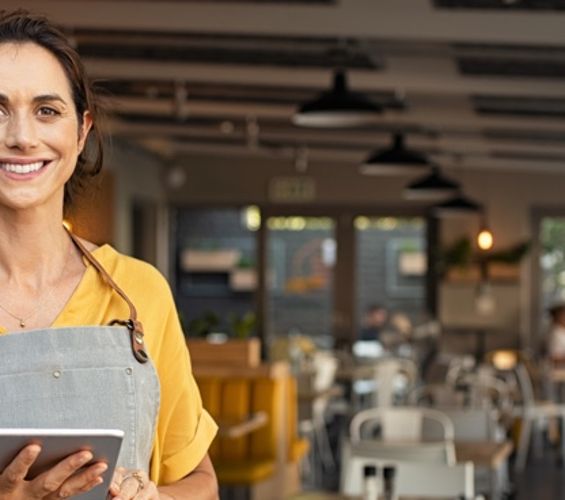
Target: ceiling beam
[(448, 120), (416, 20), (422, 77), (349, 159), (352, 143)]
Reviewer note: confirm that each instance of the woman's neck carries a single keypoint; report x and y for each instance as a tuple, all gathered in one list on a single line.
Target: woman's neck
[(34, 248)]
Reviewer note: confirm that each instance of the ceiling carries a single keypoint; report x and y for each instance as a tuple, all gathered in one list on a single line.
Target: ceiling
[(474, 83)]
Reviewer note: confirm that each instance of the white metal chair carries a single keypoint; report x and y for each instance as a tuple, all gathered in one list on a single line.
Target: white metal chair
[(437, 396), (484, 389), (313, 397), (400, 435), (392, 376), (533, 412)]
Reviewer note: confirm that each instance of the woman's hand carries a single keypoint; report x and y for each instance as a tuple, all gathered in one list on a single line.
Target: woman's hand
[(133, 484), (61, 481)]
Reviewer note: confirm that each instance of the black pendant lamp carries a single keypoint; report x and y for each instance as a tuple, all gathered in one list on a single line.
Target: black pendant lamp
[(397, 159), (338, 107), (459, 206), (434, 186)]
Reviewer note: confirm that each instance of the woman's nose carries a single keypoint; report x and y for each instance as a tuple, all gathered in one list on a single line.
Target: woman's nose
[(21, 133)]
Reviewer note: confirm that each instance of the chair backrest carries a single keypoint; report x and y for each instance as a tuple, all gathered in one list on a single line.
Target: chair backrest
[(391, 376), (525, 384), (325, 367), (472, 424), (400, 423), (436, 395), (459, 365), (413, 478)]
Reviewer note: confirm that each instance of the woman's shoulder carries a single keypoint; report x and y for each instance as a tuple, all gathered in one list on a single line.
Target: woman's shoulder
[(133, 275)]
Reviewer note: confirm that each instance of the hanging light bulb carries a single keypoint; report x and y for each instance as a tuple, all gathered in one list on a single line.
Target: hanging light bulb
[(485, 239)]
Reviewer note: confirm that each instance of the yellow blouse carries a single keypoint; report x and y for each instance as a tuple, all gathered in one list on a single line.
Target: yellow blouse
[(184, 429)]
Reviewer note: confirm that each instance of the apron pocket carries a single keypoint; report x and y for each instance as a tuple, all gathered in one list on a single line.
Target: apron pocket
[(90, 398)]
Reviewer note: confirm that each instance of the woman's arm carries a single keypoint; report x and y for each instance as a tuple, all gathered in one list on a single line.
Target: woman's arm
[(200, 484)]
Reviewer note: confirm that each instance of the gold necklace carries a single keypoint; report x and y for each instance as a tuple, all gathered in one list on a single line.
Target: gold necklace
[(22, 321)]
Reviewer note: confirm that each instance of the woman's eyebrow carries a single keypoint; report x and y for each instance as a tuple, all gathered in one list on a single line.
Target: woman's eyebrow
[(48, 97), (40, 98)]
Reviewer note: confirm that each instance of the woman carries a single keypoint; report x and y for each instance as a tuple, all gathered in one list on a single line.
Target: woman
[(556, 344), (62, 366)]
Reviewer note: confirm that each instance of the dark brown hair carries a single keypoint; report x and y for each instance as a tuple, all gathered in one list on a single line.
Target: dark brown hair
[(22, 27)]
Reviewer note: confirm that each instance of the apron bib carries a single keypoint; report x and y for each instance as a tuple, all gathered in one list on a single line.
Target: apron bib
[(80, 377)]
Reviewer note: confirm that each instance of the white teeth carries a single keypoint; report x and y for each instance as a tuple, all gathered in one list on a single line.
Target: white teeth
[(20, 168)]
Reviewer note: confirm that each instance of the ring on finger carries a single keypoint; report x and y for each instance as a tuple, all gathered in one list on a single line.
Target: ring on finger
[(138, 477)]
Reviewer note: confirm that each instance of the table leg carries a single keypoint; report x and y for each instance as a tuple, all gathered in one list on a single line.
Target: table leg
[(481, 346), (562, 439)]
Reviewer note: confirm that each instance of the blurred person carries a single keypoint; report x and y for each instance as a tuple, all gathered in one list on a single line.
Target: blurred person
[(374, 322), (556, 337), (107, 321)]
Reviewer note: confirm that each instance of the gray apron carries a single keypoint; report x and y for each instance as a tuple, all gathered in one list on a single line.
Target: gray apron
[(96, 377)]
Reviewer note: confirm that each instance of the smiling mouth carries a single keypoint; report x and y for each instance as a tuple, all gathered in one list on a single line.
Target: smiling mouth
[(23, 168)]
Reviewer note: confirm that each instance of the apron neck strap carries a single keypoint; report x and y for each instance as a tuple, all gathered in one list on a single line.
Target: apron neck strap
[(133, 324)]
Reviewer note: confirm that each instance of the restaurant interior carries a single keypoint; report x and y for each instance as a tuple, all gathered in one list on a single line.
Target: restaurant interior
[(360, 208)]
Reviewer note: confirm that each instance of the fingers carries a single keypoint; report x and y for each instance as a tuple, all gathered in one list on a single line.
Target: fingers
[(128, 489), (51, 481), (83, 481), (117, 479), (134, 485), (148, 493), (18, 468)]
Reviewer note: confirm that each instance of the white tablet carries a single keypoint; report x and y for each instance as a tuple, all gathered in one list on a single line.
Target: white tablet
[(56, 444)]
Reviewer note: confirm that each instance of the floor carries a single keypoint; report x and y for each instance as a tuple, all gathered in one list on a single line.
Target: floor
[(543, 479)]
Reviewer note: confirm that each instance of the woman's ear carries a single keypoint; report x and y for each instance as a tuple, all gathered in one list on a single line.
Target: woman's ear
[(84, 129)]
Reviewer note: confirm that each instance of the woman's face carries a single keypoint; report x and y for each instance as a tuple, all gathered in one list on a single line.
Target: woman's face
[(40, 136)]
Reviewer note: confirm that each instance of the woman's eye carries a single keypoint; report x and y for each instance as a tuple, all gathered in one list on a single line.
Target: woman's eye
[(46, 111)]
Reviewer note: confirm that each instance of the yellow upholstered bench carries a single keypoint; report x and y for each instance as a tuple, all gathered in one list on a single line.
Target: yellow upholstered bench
[(266, 459)]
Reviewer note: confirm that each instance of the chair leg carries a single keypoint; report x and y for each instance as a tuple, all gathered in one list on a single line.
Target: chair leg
[(537, 438), (523, 444), (561, 421), (325, 449)]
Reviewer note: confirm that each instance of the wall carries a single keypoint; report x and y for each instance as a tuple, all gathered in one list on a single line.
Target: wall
[(508, 196), (91, 214), (103, 212), (138, 177)]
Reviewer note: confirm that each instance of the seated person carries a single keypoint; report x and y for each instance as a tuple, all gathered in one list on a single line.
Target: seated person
[(556, 339), (374, 322)]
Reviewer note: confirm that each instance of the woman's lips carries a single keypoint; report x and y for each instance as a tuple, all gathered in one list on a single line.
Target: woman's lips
[(23, 170)]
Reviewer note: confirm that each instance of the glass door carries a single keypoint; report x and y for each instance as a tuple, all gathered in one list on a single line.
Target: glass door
[(299, 277), (551, 267), (391, 269)]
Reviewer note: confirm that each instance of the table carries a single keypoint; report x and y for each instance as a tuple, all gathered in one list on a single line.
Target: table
[(311, 395), (488, 454), (351, 373), (240, 427), (558, 374), (483, 453)]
